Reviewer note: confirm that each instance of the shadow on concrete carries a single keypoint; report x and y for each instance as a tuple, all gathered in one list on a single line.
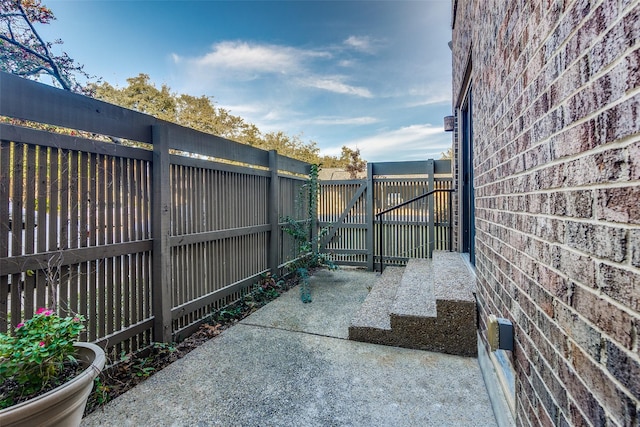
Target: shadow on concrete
[(290, 364)]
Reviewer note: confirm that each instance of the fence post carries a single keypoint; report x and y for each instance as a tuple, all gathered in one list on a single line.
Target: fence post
[(314, 187), (431, 186), (370, 219), (274, 214), (161, 205)]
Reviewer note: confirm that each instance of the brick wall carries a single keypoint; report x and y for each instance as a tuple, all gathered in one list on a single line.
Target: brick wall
[(557, 188)]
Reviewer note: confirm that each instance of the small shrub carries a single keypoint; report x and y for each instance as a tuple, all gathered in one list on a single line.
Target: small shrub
[(36, 356)]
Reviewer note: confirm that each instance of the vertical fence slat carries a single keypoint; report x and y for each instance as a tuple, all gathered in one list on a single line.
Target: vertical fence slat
[(29, 229), (62, 272), (119, 213), (101, 231), (5, 167), (42, 160), (16, 247), (74, 226), (84, 200)]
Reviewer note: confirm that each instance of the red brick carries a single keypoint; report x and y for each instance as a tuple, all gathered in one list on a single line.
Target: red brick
[(575, 327), (577, 267), (611, 46), (553, 282), (619, 404), (577, 419), (633, 70), (619, 204), (624, 367), (599, 240), (584, 400), (634, 241), (620, 121), (573, 140), (558, 155), (605, 316), (621, 285), (632, 26), (633, 154)]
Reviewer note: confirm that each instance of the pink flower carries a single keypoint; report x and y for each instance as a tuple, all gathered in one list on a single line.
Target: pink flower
[(41, 344), (44, 311), (19, 325)]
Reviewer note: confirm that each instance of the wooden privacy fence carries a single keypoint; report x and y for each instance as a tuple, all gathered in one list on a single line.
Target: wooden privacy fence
[(348, 209), (145, 241)]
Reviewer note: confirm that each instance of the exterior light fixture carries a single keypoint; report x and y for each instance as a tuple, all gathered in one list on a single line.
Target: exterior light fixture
[(449, 123)]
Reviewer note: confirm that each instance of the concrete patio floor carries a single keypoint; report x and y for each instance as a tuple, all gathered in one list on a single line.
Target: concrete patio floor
[(290, 364)]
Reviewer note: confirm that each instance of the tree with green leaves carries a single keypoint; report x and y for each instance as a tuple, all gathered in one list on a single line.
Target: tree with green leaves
[(202, 114), (23, 52), (352, 161)]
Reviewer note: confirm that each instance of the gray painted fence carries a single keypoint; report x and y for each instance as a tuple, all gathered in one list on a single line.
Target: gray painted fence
[(144, 242), (347, 210)]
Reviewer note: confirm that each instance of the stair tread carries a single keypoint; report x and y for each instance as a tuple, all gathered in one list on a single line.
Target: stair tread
[(427, 305), (415, 296), (374, 311), (452, 280)]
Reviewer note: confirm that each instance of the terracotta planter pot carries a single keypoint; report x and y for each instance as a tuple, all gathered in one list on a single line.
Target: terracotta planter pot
[(64, 405)]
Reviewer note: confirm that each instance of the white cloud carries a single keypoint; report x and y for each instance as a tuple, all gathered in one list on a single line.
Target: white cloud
[(236, 60), (429, 94), (432, 99), (248, 58), (360, 43), (245, 57), (335, 84), (342, 120), (414, 142)]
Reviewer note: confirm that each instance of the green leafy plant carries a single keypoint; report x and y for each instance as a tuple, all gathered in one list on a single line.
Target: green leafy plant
[(308, 242), (100, 394), (33, 359)]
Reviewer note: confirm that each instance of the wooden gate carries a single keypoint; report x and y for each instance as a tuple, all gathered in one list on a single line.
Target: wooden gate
[(347, 212)]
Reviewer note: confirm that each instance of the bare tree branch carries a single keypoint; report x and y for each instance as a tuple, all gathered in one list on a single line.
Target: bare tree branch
[(23, 52)]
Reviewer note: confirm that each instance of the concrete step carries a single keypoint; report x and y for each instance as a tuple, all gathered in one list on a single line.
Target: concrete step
[(372, 323), (415, 296), (453, 329), (429, 305)]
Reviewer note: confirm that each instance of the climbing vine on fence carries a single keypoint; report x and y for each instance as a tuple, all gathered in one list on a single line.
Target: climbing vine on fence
[(308, 242)]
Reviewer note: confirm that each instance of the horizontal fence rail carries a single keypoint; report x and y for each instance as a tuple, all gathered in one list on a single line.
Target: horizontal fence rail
[(145, 238)]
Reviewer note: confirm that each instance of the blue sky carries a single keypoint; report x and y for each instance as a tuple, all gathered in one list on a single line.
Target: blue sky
[(373, 75)]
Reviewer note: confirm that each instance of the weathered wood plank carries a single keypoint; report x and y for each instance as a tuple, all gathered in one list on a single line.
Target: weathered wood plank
[(193, 141), (161, 293), (4, 232), (274, 214), (29, 229), (66, 142), (19, 264), (25, 99), (218, 294), (126, 334), (293, 165), (42, 161)]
